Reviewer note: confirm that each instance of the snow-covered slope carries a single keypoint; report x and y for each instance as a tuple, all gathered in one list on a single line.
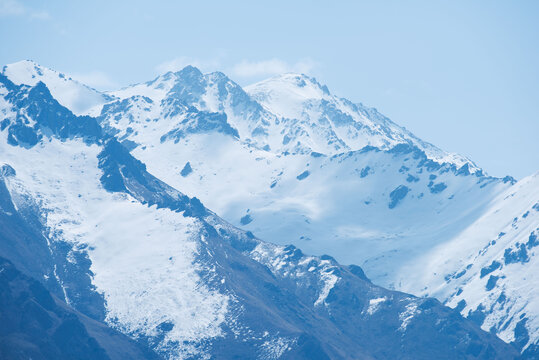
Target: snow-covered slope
[(329, 124), (129, 250), (61, 176), (79, 98), (375, 208), (375, 201), (489, 271)]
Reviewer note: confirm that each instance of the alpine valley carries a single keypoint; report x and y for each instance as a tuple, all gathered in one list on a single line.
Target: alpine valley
[(165, 220)]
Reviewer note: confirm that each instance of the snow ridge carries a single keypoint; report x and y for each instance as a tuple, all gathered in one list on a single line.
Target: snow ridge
[(79, 98)]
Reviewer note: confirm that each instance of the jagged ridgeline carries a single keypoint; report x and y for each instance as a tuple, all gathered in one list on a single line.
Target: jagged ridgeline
[(90, 209)]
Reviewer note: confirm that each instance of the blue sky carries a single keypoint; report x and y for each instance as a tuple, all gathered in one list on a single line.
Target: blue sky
[(463, 75)]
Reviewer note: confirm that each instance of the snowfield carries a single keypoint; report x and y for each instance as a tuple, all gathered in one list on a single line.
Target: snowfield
[(143, 258)]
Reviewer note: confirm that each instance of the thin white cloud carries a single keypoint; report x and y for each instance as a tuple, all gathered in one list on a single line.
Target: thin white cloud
[(182, 61), (96, 79), (16, 8), (270, 67), (40, 15), (11, 7)]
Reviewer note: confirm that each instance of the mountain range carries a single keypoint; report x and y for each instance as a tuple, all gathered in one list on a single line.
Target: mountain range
[(105, 203)]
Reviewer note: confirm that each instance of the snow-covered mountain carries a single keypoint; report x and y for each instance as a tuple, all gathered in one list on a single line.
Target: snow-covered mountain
[(81, 214), (283, 176), (79, 98), (291, 113), (292, 163), (318, 121)]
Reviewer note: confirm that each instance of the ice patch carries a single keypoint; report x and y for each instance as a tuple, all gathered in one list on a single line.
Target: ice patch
[(406, 316), (374, 305)]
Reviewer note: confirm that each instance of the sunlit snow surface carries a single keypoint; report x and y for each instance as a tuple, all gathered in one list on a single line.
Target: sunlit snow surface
[(142, 258), (492, 264), (77, 97)]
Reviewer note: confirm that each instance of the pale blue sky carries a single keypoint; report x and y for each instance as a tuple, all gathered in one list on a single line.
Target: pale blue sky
[(463, 75)]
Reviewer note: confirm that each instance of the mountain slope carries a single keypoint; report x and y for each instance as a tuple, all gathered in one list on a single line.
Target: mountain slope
[(135, 253), (493, 278), (33, 326), (37, 325)]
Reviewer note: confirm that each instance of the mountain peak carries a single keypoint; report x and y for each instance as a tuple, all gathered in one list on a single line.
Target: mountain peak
[(189, 71), (78, 97), (290, 84), (286, 94), (24, 63), (26, 72)]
